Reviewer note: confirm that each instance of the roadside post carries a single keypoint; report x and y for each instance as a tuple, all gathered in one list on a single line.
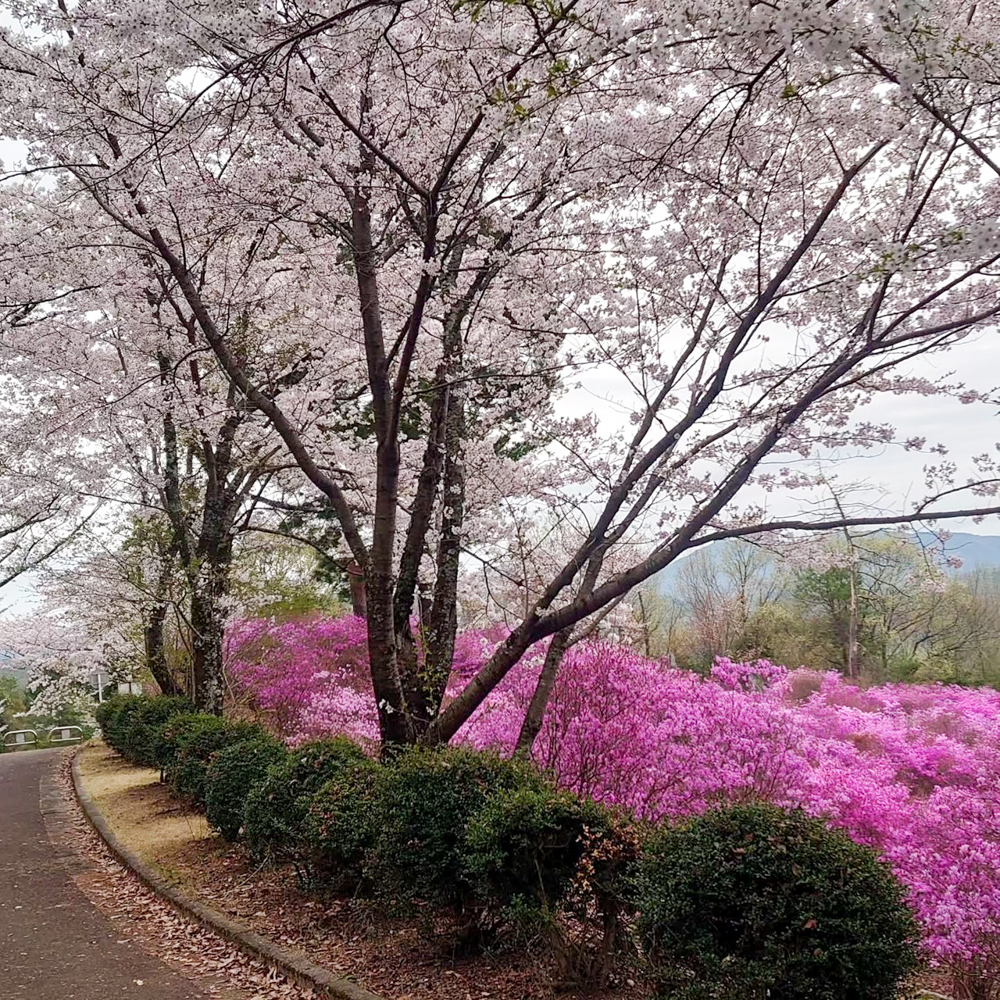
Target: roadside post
[(60, 735)]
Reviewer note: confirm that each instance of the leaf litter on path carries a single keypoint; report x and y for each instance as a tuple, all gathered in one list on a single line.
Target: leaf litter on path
[(217, 967)]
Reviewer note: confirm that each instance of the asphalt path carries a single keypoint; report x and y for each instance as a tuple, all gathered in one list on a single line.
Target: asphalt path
[(54, 944)]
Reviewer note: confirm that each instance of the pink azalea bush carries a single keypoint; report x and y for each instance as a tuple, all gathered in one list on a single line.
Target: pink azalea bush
[(308, 675), (912, 770)]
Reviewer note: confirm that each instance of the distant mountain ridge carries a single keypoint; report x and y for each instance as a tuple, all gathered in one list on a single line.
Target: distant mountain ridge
[(975, 551)]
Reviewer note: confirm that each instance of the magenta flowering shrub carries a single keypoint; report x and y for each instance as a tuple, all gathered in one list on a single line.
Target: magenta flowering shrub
[(911, 770), (308, 676)]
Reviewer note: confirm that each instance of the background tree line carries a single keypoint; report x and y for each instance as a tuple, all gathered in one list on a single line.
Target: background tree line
[(878, 607)]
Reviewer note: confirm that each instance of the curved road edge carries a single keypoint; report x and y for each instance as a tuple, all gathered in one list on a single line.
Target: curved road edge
[(289, 962)]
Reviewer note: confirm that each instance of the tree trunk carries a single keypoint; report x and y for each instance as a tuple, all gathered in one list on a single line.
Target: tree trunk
[(155, 644), (393, 712), (156, 655), (394, 727), (444, 606), (208, 615), (853, 672), (553, 658), (214, 559), (208, 627), (359, 598), (425, 604), (646, 639), (409, 669), (535, 715)]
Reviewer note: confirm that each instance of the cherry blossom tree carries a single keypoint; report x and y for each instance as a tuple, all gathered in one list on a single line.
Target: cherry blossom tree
[(35, 524), (41, 509), (162, 442), (62, 658), (403, 231)]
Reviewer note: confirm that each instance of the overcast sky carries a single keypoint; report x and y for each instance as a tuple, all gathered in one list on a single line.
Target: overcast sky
[(895, 476)]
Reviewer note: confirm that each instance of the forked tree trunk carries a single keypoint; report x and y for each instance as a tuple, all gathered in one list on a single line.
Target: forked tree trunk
[(411, 680), (156, 654), (444, 605), (380, 580)]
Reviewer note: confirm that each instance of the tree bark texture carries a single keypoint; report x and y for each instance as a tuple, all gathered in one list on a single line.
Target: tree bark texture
[(156, 654), (444, 607), (379, 576), (535, 715)]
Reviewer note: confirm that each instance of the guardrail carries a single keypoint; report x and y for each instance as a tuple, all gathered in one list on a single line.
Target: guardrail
[(59, 735), (17, 738), (65, 734)]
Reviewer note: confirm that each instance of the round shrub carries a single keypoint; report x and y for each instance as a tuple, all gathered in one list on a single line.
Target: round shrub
[(140, 735), (544, 862), (342, 825), (276, 809), (428, 800), (232, 772), (114, 717), (756, 901), (200, 736), (523, 847)]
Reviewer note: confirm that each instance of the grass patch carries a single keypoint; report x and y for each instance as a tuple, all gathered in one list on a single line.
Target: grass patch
[(141, 812)]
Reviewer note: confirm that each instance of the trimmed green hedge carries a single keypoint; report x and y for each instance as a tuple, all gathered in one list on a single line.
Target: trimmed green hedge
[(749, 901), (276, 809), (195, 742), (168, 737), (233, 772), (342, 826), (114, 717), (427, 801), (140, 734)]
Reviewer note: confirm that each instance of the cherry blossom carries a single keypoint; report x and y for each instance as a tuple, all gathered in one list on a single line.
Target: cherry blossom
[(395, 238)]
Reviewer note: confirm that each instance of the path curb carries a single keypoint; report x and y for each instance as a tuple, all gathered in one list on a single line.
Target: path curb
[(289, 962)]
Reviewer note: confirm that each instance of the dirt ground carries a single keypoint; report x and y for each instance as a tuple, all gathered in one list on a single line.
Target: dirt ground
[(140, 811), (398, 959)]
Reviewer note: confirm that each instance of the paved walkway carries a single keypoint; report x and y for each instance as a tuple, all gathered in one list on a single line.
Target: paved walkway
[(54, 945)]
